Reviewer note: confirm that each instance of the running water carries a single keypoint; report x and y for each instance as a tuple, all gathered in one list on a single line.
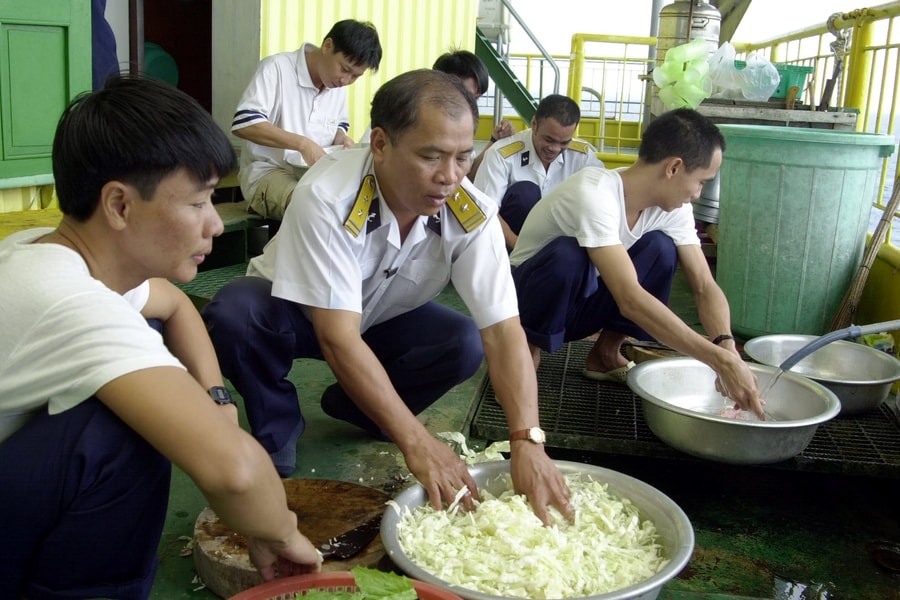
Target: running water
[(765, 391)]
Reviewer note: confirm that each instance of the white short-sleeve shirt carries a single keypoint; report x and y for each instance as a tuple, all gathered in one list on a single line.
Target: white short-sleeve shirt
[(65, 334), (514, 159), (314, 261), (282, 92), (590, 206)]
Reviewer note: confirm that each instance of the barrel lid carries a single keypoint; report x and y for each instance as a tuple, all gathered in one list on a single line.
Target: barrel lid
[(809, 135)]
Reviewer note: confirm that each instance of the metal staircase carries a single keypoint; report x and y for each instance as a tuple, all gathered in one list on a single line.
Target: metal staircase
[(519, 97)]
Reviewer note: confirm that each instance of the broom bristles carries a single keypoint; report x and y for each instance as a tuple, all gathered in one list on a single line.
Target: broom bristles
[(847, 310)]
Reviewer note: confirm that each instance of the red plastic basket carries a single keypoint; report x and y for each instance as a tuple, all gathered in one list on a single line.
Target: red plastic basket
[(335, 581)]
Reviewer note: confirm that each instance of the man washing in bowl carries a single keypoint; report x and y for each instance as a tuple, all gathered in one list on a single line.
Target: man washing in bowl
[(631, 227)]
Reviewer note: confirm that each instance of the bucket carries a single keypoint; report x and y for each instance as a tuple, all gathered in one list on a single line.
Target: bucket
[(794, 208)]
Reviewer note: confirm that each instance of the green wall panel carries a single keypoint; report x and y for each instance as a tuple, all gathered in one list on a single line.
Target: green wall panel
[(45, 60)]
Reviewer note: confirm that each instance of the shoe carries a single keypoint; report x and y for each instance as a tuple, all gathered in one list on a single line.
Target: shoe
[(619, 375)]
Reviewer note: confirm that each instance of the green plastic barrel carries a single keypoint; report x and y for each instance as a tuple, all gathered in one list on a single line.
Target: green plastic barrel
[(794, 208)]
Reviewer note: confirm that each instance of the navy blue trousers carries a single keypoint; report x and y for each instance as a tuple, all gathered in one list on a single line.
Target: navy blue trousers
[(562, 298), (82, 506), (425, 352), (517, 202)]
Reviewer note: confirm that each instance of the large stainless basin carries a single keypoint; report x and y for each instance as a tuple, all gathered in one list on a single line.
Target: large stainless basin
[(683, 408)]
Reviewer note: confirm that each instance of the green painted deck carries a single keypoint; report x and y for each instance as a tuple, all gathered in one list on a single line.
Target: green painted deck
[(758, 529)]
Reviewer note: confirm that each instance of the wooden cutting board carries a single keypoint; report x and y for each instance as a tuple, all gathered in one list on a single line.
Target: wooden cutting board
[(325, 508)]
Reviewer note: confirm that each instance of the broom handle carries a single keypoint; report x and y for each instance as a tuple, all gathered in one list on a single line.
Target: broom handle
[(868, 259)]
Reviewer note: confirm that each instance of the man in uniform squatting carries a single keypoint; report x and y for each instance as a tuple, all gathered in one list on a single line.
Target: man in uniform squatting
[(518, 170), (370, 238)]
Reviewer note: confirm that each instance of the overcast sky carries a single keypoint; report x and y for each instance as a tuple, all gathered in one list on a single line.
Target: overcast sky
[(554, 28)]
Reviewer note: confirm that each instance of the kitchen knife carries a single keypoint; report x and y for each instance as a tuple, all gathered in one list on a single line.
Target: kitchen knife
[(351, 542)]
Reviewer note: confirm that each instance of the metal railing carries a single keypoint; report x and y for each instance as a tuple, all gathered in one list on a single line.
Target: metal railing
[(866, 43)]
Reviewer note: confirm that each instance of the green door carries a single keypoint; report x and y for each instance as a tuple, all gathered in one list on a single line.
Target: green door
[(45, 61)]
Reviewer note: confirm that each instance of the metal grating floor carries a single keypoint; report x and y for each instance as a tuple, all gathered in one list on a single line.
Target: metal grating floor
[(207, 283), (579, 414)]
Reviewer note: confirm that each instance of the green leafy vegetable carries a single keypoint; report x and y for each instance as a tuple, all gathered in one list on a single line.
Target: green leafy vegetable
[(379, 585), (372, 584)]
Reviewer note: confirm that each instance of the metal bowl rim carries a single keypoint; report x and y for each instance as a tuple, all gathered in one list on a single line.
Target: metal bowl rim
[(876, 355), (681, 554), (833, 404)]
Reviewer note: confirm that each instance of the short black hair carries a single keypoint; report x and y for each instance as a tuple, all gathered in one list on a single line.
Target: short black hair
[(561, 108), (138, 131), (465, 65), (684, 133), (395, 106), (358, 41)]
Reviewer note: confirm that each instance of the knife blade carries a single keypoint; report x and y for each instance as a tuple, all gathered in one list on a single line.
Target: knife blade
[(352, 541)]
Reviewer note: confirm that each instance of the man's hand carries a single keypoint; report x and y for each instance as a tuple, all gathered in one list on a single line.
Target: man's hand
[(294, 557), (539, 479), (503, 129), (737, 382), (441, 472), (310, 151)]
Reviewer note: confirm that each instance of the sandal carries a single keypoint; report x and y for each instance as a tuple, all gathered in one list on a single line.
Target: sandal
[(619, 375)]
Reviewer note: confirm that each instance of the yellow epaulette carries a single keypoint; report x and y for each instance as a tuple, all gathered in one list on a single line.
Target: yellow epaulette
[(466, 211), (510, 149), (579, 146), (359, 213)]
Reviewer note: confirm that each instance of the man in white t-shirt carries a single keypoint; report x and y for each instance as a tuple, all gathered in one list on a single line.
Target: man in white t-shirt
[(295, 108), (95, 404), (370, 239), (600, 251), (518, 170)]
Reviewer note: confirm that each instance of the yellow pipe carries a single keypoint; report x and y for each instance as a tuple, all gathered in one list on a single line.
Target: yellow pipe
[(860, 61), (576, 68)]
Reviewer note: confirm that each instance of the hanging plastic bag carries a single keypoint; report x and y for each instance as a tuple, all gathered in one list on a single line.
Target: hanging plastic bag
[(683, 78), (725, 78), (754, 79), (761, 78)]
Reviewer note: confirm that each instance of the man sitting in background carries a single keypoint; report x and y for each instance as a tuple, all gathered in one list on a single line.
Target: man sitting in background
[(294, 107), (94, 402), (632, 227), (517, 171)]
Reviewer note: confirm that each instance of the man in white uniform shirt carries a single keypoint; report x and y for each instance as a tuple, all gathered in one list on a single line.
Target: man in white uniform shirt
[(95, 403), (517, 171), (632, 227), (294, 107), (371, 237)]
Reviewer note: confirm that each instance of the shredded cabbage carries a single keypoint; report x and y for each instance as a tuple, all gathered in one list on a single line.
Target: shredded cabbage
[(502, 548)]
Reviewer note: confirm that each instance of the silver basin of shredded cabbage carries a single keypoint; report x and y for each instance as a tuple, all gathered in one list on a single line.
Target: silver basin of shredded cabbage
[(501, 548)]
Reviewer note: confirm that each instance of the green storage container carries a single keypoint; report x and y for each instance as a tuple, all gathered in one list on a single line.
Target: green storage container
[(794, 207)]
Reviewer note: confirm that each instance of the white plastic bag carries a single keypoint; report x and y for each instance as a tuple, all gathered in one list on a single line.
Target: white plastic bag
[(723, 73), (754, 80), (761, 78)]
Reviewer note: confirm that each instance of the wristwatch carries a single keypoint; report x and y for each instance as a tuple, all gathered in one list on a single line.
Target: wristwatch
[(220, 395), (535, 435)]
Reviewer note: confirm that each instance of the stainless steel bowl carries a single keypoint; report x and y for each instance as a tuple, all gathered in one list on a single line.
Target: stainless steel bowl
[(674, 528), (681, 407), (859, 376)]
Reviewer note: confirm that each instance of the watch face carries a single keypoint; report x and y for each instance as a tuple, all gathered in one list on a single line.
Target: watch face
[(536, 435), (220, 395)]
